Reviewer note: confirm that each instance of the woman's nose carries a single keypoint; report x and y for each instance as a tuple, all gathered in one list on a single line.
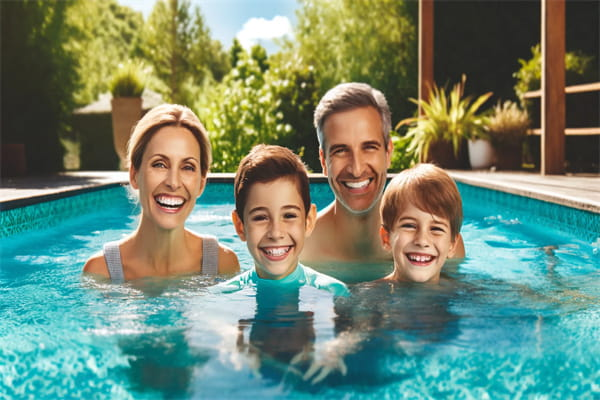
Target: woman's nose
[(173, 180)]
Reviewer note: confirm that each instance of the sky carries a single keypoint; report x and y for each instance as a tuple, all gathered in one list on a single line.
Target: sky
[(251, 21)]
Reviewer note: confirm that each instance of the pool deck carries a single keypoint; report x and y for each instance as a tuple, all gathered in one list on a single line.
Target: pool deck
[(580, 191)]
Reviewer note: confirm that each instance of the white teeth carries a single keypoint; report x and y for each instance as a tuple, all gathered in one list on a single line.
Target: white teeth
[(168, 201), (420, 258), (357, 185), (276, 252)]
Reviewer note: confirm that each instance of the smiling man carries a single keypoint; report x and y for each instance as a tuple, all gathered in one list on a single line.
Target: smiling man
[(353, 124)]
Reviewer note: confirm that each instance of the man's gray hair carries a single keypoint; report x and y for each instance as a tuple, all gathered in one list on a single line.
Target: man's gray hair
[(348, 96)]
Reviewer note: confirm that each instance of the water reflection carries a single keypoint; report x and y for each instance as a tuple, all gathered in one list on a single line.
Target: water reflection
[(278, 332)]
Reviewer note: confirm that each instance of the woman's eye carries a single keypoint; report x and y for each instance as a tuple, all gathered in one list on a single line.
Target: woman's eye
[(190, 168), (159, 164)]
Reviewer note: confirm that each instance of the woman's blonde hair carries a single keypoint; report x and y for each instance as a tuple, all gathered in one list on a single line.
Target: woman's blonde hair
[(168, 115)]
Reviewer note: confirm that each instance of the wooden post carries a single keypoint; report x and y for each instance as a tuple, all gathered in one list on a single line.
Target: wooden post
[(553, 87), (425, 49)]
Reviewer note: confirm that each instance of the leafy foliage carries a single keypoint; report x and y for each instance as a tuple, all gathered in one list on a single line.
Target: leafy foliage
[(241, 113), (508, 124), (363, 41), (252, 107), (127, 81), (579, 68), (101, 35), (178, 46), (38, 80), (447, 116)]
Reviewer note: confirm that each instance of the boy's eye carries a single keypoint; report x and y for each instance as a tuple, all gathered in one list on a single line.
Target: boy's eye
[(290, 215), (408, 225), (258, 218), (438, 229)]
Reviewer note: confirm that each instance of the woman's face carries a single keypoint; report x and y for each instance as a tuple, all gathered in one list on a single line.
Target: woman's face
[(169, 179)]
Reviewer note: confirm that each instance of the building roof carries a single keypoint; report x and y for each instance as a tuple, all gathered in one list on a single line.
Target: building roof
[(150, 100)]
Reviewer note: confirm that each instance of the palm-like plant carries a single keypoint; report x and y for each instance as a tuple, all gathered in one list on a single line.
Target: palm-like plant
[(447, 116)]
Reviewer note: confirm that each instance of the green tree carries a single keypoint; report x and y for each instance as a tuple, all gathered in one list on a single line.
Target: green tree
[(240, 113), (252, 107), (38, 80), (177, 44), (293, 83), (362, 40), (235, 52), (102, 34), (259, 54)]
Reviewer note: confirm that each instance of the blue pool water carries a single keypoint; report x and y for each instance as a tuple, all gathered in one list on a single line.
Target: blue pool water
[(519, 318)]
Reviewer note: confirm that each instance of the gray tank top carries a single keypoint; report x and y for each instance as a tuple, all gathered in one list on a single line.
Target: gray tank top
[(210, 258)]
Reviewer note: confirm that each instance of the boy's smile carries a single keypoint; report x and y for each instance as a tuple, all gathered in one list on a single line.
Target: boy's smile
[(274, 226), (420, 243)]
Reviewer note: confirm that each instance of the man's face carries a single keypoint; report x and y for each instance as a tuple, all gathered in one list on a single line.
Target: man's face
[(355, 158)]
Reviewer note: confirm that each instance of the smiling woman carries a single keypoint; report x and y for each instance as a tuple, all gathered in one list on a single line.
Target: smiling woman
[(169, 155)]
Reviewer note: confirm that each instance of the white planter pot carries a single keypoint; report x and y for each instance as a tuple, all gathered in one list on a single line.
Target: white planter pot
[(481, 154)]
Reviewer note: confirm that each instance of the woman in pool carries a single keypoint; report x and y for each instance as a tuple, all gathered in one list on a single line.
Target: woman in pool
[(169, 156)]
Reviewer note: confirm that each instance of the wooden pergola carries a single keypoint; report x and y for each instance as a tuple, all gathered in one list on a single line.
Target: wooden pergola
[(553, 77)]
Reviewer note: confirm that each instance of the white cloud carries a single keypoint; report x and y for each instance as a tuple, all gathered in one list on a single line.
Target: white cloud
[(260, 29)]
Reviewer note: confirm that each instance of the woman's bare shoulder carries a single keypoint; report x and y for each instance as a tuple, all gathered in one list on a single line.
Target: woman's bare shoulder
[(96, 265)]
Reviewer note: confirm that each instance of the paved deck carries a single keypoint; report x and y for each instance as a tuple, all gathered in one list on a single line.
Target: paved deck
[(577, 191)]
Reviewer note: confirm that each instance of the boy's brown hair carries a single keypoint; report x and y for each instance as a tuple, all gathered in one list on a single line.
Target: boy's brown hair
[(265, 163), (427, 187)]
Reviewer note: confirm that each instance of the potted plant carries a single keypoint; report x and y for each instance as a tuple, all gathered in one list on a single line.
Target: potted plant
[(448, 120), (126, 87), (507, 128)]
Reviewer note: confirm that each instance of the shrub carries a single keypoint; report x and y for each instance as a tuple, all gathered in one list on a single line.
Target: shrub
[(508, 124), (127, 81), (448, 116)]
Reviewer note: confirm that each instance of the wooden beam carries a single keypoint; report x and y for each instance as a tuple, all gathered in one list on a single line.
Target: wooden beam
[(553, 87), (583, 88), (426, 32), (587, 131)]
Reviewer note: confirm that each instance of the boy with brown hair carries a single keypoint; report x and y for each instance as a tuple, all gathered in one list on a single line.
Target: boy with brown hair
[(421, 214), (273, 215)]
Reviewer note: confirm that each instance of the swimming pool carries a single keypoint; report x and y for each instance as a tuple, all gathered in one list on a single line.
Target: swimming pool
[(519, 318)]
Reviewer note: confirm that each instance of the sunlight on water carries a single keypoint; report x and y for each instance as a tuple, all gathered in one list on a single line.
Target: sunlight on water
[(518, 318)]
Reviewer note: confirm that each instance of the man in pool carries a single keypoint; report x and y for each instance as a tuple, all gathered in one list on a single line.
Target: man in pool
[(353, 124)]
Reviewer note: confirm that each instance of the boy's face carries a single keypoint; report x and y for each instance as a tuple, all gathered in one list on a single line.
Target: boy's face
[(355, 158), (420, 243), (275, 226)]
